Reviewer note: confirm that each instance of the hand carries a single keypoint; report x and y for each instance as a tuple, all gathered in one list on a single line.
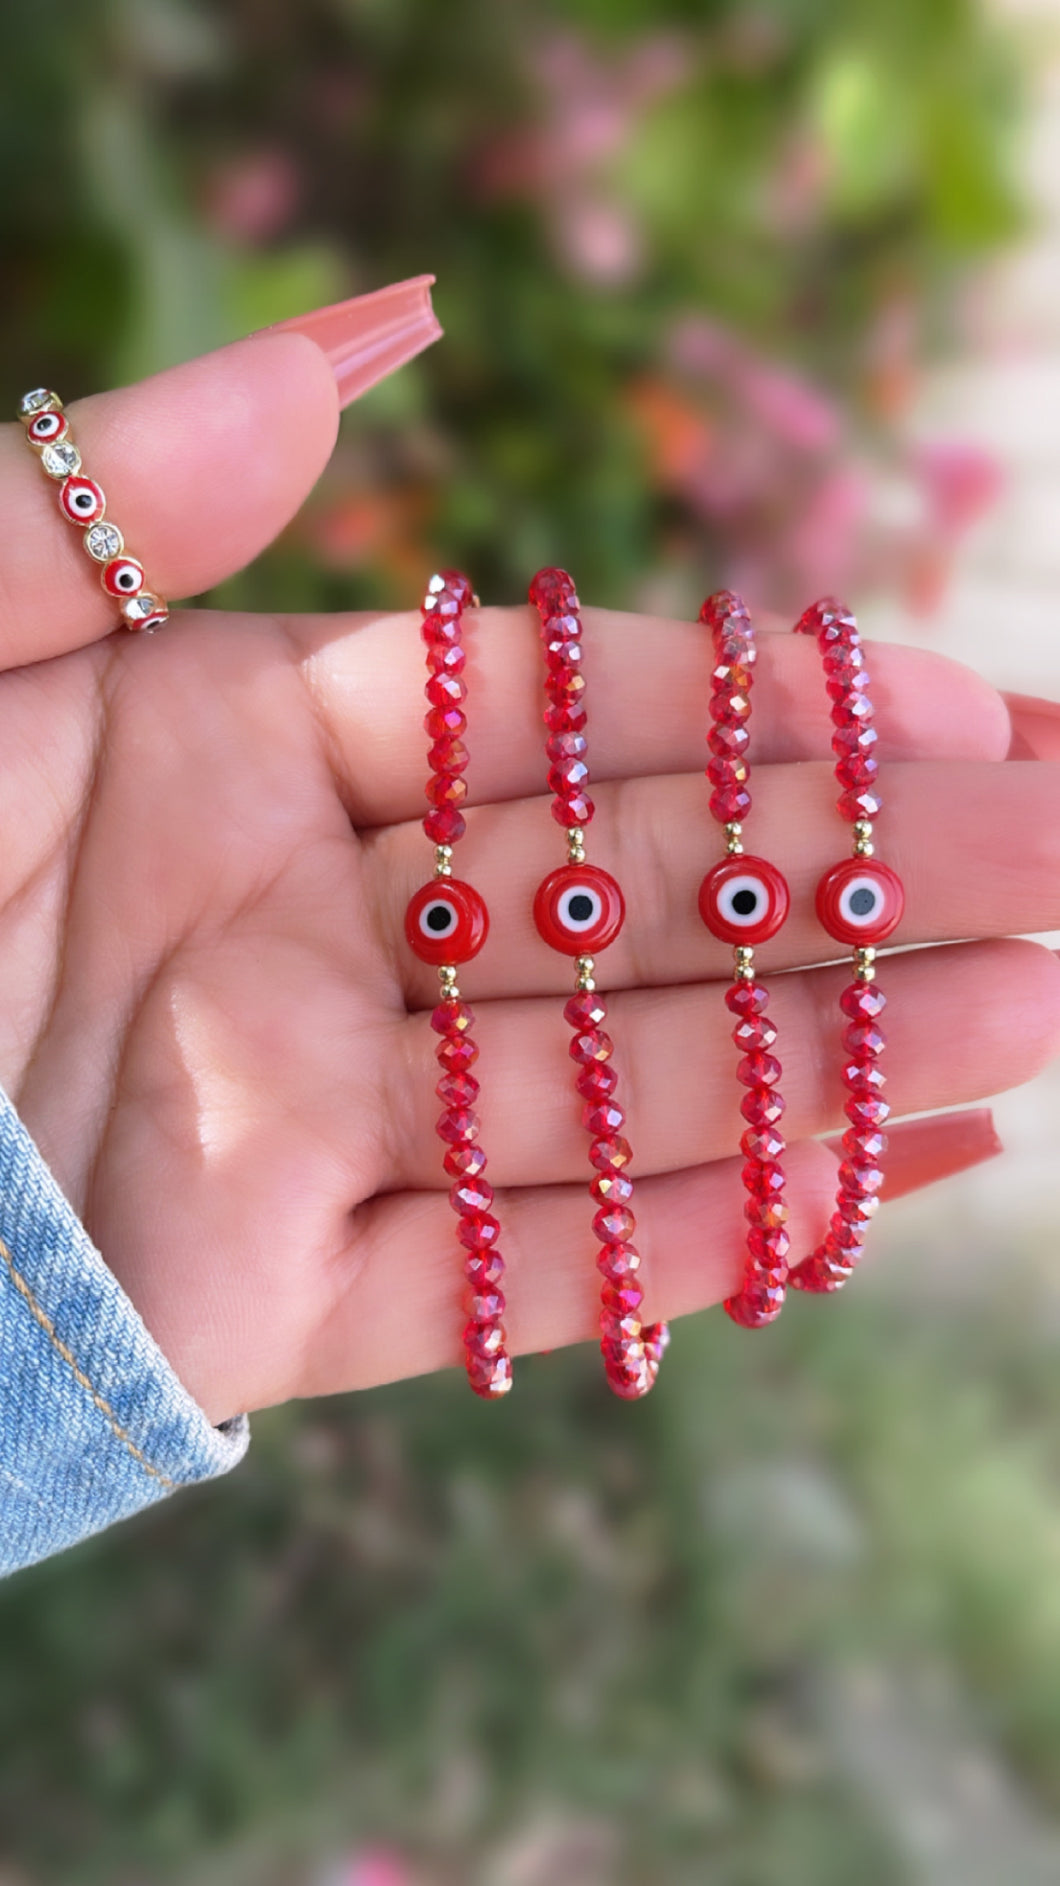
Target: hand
[(210, 1021)]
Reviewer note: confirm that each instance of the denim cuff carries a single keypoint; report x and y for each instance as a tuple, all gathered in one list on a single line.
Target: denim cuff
[(94, 1424)]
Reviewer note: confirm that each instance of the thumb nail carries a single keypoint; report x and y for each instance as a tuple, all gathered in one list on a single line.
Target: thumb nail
[(371, 336), (921, 1151), (1035, 726)]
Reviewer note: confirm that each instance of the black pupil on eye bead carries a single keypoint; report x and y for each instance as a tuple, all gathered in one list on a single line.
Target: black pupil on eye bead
[(580, 907), (126, 579), (744, 903), (862, 901), (439, 919), (83, 501)]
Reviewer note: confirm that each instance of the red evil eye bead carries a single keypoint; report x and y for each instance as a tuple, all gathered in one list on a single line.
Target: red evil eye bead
[(743, 900), (860, 901), (578, 909), (81, 500), (47, 428), (123, 576), (446, 922)]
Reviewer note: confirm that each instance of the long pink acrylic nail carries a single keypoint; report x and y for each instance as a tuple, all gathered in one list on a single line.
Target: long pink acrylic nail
[(370, 336), (921, 1151)]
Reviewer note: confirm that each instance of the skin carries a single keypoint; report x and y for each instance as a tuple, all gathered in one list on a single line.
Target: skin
[(211, 1023)]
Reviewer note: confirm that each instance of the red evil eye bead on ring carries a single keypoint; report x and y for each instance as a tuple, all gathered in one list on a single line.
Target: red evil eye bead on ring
[(579, 908), (744, 900), (859, 902), (82, 502), (446, 922)]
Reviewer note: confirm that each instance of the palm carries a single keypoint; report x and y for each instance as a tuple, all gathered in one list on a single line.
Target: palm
[(211, 1025)]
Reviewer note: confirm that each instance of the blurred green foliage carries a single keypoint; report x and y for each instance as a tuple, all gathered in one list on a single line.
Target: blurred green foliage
[(690, 260)]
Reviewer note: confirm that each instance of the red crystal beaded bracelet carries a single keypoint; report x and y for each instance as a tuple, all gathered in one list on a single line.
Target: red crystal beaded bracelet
[(580, 909), (82, 502), (859, 902), (744, 901), (446, 924)]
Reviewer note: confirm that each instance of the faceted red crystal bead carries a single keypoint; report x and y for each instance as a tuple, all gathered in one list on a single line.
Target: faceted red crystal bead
[(857, 772), (458, 1090), (861, 1142), (478, 1231), (575, 809), (565, 717), (446, 789), (618, 1261), (863, 1076), (759, 1070), (768, 1246), (729, 708), (441, 628), (621, 1300), (591, 1044), (863, 1040), (729, 742), (765, 1213), (458, 1124), (746, 998), (597, 1083), (585, 1010), (562, 747), (448, 756), (763, 1106), (854, 742), (730, 803), (614, 1224), (485, 1306), (763, 1178), (568, 779), (604, 1121), (754, 1033), (861, 1179), (762, 1143), (756, 1306), (612, 1188), (470, 1196), (866, 1110), (483, 1270), (610, 1153), (444, 723), (445, 690), (862, 804), (464, 1161), (490, 1377), (862, 1001), (444, 825), (456, 1053), (446, 658), (485, 1338), (453, 1017), (728, 771)]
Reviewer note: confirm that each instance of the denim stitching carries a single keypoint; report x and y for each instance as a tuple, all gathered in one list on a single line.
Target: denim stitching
[(68, 1357)]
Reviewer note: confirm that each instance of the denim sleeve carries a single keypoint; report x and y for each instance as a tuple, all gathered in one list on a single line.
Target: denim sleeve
[(94, 1424)]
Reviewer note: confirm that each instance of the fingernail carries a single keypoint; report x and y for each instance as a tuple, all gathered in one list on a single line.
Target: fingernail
[(921, 1151), (370, 336), (1035, 727)]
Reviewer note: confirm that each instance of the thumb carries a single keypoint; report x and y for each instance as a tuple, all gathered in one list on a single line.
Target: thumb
[(202, 465)]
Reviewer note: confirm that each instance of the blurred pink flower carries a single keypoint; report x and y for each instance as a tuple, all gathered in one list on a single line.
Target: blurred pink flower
[(254, 196), (375, 1866), (960, 481), (599, 240)]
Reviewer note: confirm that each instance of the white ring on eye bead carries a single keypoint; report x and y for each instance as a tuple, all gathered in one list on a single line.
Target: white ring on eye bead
[(435, 931), (731, 889), (578, 925), (861, 918)]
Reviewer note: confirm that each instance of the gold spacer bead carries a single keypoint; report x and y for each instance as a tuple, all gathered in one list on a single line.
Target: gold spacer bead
[(734, 838), (575, 844), (476, 600), (863, 845), (743, 963), (584, 980), (443, 861), (447, 980), (864, 965)]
